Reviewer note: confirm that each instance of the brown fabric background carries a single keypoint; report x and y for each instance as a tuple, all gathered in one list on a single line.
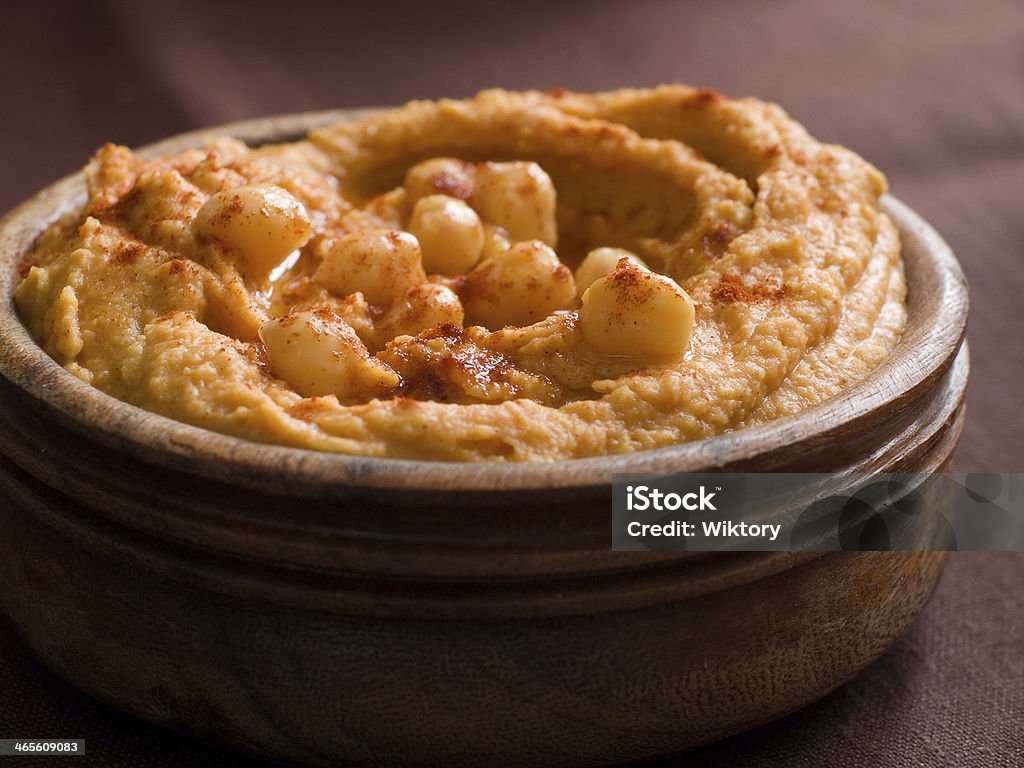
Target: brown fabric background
[(930, 91)]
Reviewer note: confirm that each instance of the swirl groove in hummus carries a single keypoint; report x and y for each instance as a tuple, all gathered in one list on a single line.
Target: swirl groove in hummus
[(403, 285)]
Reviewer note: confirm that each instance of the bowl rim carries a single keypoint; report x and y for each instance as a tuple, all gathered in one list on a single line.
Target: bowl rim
[(919, 357)]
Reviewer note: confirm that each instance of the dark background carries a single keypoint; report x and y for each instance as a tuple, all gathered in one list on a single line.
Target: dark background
[(932, 92)]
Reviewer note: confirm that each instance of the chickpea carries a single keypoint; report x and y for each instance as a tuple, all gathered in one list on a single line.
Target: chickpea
[(440, 175), (262, 222), (318, 353), (518, 196), (381, 264), (518, 287), (599, 262), (634, 312), (495, 241), (450, 234), (423, 306)]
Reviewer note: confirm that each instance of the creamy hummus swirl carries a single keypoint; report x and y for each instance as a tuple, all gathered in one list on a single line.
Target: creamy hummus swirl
[(435, 281)]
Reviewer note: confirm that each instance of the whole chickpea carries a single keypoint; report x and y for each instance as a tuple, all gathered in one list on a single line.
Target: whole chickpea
[(633, 312), (261, 223), (450, 233), (519, 197), (381, 264), (423, 306), (495, 241), (599, 262), (524, 284), (318, 353), (440, 175)]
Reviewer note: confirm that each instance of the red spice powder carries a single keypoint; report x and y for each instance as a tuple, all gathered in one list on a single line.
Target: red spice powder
[(731, 289)]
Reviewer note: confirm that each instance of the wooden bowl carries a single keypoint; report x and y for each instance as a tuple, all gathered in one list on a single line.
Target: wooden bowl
[(326, 609)]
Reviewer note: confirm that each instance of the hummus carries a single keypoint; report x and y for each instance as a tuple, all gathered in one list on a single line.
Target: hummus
[(516, 277)]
